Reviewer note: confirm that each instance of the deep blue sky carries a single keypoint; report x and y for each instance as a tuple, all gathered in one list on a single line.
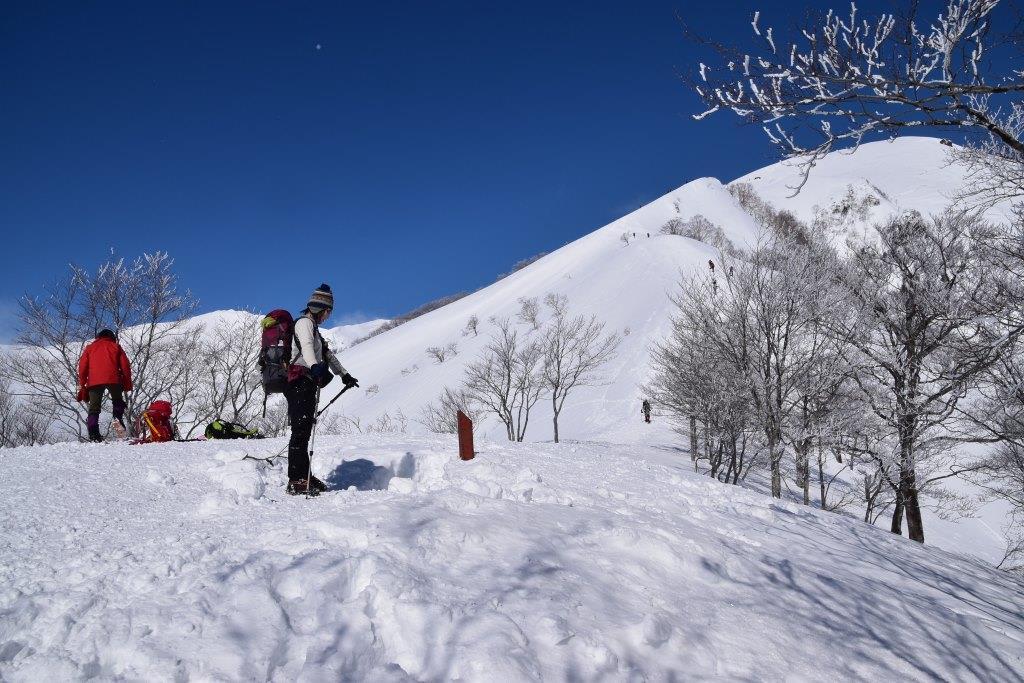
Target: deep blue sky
[(421, 150)]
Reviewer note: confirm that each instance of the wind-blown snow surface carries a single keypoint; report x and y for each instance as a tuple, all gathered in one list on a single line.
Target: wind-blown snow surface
[(532, 562)]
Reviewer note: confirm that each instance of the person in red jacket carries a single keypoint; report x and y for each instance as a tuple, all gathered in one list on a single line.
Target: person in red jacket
[(104, 367)]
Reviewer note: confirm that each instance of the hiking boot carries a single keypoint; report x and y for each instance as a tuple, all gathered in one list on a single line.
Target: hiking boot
[(94, 434), (298, 487), (316, 484), (118, 426)]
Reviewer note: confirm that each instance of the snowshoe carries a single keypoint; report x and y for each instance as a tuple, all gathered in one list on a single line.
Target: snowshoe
[(301, 487)]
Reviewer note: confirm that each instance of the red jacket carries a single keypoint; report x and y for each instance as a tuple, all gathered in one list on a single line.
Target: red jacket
[(104, 362)]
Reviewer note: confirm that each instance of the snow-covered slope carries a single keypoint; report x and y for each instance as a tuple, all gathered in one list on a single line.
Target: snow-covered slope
[(533, 562), (627, 286), (340, 337), (905, 173)]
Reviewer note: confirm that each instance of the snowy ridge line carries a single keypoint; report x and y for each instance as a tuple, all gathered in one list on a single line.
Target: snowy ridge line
[(532, 562), (627, 286)]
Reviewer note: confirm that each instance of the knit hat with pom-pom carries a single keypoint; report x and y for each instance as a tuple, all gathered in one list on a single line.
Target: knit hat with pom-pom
[(321, 298)]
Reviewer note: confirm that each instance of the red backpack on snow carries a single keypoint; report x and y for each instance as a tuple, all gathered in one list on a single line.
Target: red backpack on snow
[(154, 425)]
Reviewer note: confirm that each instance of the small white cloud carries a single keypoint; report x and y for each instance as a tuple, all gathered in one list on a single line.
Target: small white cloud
[(318, 46)]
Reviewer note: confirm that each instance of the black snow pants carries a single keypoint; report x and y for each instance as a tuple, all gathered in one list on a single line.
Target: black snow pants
[(301, 395)]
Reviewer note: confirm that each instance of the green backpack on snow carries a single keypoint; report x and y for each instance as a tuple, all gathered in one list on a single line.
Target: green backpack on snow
[(222, 429)]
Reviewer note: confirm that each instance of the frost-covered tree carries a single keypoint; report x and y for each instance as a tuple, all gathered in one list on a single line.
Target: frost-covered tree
[(529, 312), (22, 422), (138, 299), (440, 416), (229, 380), (699, 228), (760, 320), (817, 413), (558, 303), (932, 315), (471, 326), (442, 353), (997, 416), (844, 78), (574, 350), (506, 379), (778, 299), (701, 388)]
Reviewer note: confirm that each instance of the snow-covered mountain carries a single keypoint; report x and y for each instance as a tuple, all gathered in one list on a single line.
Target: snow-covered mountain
[(627, 285)]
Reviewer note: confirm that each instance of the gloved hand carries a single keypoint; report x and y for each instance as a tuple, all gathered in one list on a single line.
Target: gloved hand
[(321, 374), (349, 381)]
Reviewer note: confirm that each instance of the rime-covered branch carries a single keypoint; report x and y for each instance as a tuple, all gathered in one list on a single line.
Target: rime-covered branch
[(847, 78)]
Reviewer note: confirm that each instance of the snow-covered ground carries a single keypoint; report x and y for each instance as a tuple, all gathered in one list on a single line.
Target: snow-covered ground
[(603, 558), (564, 561)]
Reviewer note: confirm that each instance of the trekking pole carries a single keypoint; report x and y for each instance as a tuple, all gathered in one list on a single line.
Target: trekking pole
[(268, 459), (336, 397), (312, 443), (272, 458)]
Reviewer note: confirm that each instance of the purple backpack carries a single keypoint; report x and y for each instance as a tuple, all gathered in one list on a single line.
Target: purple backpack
[(276, 350)]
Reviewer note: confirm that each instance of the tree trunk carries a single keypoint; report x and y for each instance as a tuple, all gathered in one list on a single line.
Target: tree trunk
[(730, 474), (776, 459), (821, 479), (869, 501), (907, 494), (915, 525), (554, 412), (693, 439), (803, 469), (897, 516)]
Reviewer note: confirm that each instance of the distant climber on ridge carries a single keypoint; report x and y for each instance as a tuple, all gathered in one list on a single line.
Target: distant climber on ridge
[(312, 363), (646, 409), (104, 367)]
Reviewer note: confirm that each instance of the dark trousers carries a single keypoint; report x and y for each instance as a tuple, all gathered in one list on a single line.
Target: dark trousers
[(301, 395), (116, 397)]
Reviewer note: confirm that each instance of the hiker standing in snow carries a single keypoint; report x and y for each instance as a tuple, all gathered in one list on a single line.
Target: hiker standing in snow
[(646, 410), (104, 367), (312, 363)]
